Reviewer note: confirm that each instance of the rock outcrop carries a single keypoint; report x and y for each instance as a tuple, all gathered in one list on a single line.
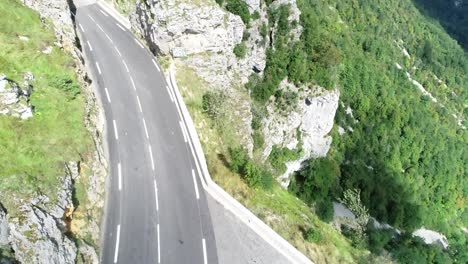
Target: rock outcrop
[(41, 228), (14, 101), (309, 120)]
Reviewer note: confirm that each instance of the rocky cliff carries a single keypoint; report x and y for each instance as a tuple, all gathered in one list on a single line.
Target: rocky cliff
[(203, 35), (50, 226)]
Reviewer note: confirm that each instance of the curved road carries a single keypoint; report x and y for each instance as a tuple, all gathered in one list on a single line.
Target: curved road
[(156, 210)]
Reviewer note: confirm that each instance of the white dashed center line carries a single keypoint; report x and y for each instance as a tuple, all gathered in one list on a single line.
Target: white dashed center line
[(125, 64), (115, 47), (91, 18), (120, 27), (133, 83), (156, 65), (159, 246), (110, 40), (146, 130), (196, 184), (107, 95), (205, 260), (115, 130), (82, 30), (117, 241), (151, 157), (99, 69), (89, 45), (138, 42), (139, 104), (156, 195), (119, 169), (100, 28)]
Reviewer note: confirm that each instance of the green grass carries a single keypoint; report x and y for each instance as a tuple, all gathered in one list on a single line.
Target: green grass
[(33, 151), (282, 211)]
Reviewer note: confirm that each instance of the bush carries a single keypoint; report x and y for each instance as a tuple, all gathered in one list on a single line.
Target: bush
[(378, 239), (255, 15), (240, 50), (312, 235), (66, 84), (212, 104), (263, 30), (258, 139), (238, 159), (324, 210), (279, 156), (253, 174), (239, 7)]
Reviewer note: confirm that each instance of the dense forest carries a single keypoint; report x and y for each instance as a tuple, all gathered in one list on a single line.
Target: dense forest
[(404, 85)]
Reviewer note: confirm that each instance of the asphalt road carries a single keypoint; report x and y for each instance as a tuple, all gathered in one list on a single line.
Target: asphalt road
[(156, 209)]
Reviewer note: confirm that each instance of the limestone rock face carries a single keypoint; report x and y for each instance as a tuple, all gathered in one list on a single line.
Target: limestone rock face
[(14, 101), (313, 117)]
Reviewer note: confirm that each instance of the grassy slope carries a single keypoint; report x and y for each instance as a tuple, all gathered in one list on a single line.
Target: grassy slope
[(286, 214), (32, 152)]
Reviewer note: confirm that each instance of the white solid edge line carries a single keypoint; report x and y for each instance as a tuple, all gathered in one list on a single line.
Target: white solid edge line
[(146, 130), (205, 260), (195, 184), (120, 27), (119, 168), (82, 30), (170, 94), (156, 195), (115, 129), (99, 69), (103, 12), (159, 246), (125, 64), (133, 83), (89, 45), (139, 104), (183, 131), (107, 95), (116, 253), (138, 42), (118, 51), (91, 18), (151, 157), (156, 65)]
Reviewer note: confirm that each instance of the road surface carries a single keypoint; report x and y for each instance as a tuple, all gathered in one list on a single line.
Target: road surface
[(156, 209)]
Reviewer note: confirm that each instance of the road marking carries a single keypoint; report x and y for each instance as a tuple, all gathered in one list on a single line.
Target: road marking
[(156, 195), (115, 47), (89, 45), (159, 247), (103, 12), (115, 130), (107, 94), (119, 168), (110, 40), (99, 69), (126, 67), (91, 18), (138, 42), (100, 27), (82, 30), (133, 83), (116, 253), (139, 104), (196, 184), (170, 94), (183, 131), (205, 260), (120, 27), (146, 130), (156, 65), (151, 157)]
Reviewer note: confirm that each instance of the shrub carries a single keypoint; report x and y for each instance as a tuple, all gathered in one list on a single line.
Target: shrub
[(258, 139), (66, 84), (212, 104), (239, 7), (255, 15), (263, 30), (238, 159), (279, 156), (240, 50), (312, 235), (324, 210)]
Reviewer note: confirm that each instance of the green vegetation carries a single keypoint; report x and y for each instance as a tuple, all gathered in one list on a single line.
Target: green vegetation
[(33, 151), (279, 156), (240, 50), (239, 7), (254, 174)]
